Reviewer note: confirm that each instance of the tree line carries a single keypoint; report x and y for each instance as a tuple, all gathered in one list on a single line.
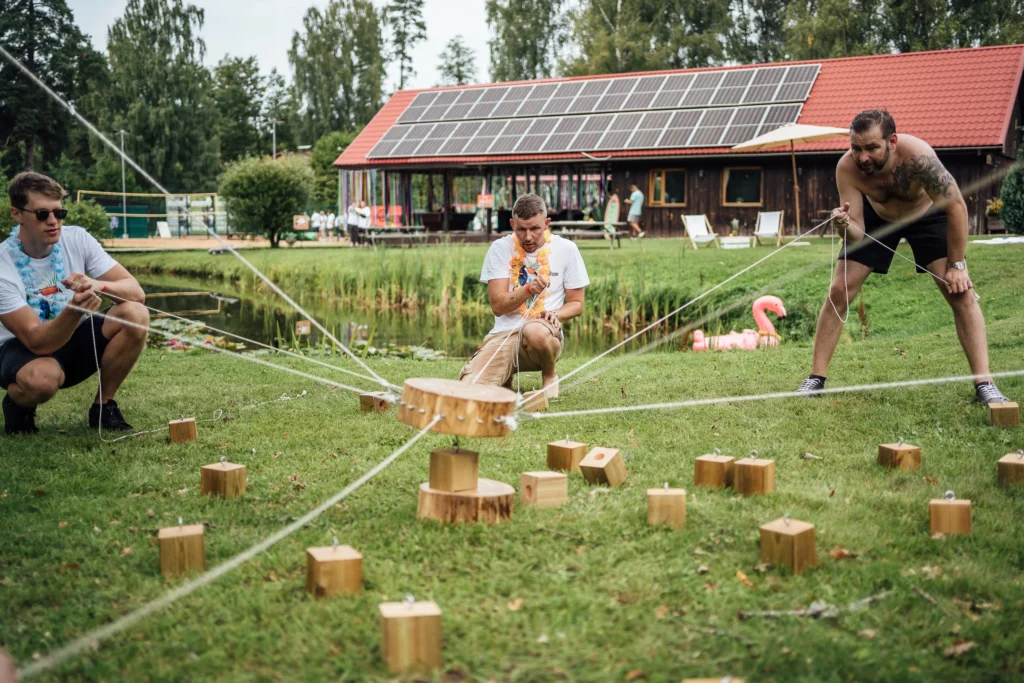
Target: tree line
[(185, 122)]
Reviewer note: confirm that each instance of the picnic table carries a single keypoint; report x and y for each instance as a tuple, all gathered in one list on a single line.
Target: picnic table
[(415, 234), (590, 229)]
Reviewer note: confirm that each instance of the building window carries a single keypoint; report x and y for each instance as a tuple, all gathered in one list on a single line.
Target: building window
[(668, 187), (742, 187)]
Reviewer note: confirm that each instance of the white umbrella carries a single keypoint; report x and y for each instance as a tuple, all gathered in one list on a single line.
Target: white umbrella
[(793, 134)]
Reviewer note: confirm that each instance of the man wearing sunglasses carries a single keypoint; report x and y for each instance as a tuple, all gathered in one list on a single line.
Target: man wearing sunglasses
[(49, 275)]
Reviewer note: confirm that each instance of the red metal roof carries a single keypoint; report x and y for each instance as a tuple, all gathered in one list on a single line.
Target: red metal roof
[(950, 98)]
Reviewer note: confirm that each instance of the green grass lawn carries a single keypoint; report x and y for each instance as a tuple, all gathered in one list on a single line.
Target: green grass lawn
[(584, 592)]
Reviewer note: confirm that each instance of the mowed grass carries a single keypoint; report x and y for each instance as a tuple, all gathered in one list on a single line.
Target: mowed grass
[(584, 592)]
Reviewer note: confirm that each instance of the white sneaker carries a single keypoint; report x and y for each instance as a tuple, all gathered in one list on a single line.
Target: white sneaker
[(643, 233)]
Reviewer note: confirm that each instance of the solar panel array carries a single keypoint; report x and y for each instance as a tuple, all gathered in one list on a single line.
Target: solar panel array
[(705, 109)]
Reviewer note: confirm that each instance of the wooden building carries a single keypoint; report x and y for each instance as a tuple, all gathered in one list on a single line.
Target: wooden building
[(454, 159)]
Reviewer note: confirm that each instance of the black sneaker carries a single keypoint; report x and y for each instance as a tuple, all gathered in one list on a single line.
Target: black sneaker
[(812, 386), (987, 393), (113, 420), (18, 419)]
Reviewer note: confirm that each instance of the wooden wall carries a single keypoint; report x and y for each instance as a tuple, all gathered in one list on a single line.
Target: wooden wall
[(818, 193)]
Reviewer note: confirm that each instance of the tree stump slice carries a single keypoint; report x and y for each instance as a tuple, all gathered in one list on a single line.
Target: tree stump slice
[(468, 409), (490, 503)]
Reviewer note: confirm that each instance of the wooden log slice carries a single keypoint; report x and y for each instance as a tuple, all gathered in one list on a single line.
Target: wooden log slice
[(490, 503), (468, 409)]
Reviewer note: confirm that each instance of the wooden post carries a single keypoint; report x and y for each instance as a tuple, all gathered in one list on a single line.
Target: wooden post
[(904, 456), (950, 516), (334, 570), (714, 471), (410, 635), (543, 489), (224, 479), (468, 409), (490, 502), (1011, 469), (604, 466), (182, 549), (374, 402), (1003, 415), (535, 401), (303, 328), (789, 542), (183, 430), (454, 469), (666, 506), (565, 456), (753, 476)]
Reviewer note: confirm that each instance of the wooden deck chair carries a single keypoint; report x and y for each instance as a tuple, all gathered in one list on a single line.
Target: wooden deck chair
[(698, 229), (162, 230), (769, 227)]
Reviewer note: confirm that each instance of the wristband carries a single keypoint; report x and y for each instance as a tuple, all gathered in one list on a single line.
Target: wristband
[(103, 288)]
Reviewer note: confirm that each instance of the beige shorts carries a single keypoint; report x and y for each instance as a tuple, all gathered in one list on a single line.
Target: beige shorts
[(503, 355)]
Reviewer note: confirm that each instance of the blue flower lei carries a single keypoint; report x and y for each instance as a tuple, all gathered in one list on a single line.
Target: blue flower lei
[(44, 308)]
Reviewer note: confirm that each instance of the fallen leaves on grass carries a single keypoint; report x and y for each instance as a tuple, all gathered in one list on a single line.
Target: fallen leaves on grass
[(278, 454), (841, 553), (703, 569), (868, 633), (62, 524), (182, 492), (628, 597), (126, 551), (514, 605), (272, 577), (959, 647), (661, 612), (151, 513), (931, 480), (742, 578), (635, 675), (931, 572), (66, 567)]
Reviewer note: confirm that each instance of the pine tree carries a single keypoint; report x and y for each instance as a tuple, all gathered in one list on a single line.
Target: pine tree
[(528, 36), (458, 63), (405, 19), (238, 91)]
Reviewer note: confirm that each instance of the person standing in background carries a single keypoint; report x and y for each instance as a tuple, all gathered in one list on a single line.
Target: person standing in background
[(636, 207)]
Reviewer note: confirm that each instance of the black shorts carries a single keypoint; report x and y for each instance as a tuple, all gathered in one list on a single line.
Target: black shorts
[(926, 235), (77, 358)]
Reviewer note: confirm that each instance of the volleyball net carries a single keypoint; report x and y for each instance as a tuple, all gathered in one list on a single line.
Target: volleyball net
[(140, 214)]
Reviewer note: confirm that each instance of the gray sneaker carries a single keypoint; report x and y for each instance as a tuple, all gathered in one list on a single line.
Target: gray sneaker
[(987, 393)]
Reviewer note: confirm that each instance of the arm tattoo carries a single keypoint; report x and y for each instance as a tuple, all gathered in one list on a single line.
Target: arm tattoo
[(928, 171)]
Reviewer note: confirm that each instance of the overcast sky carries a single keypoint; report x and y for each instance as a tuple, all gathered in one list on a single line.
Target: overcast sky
[(264, 28)]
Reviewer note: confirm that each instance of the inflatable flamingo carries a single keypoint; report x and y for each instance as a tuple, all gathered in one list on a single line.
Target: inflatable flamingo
[(763, 337)]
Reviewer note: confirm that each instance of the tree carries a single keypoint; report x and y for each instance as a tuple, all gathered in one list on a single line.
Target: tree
[(280, 104), (1012, 194), (528, 35), (325, 153), (43, 36), (338, 60), (162, 94), (696, 32), (458, 63), (238, 90), (262, 195), (405, 19), (614, 36), (820, 29), (760, 31)]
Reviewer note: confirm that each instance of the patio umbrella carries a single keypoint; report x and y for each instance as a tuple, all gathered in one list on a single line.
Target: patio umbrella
[(793, 134)]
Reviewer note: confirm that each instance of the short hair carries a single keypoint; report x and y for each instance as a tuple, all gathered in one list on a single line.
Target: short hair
[(26, 182), (869, 118), (528, 206)]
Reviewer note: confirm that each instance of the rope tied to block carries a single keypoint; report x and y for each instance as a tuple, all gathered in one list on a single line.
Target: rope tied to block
[(949, 495)]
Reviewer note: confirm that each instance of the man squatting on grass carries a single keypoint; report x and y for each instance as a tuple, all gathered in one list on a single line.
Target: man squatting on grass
[(529, 274), (46, 346), (882, 179)]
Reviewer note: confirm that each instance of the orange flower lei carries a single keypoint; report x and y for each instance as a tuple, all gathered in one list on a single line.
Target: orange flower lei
[(516, 266)]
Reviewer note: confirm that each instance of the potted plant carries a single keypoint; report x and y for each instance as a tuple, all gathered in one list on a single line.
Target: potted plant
[(992, 211)]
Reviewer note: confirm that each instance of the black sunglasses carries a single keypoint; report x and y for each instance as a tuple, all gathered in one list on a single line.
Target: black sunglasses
[(43, 214)]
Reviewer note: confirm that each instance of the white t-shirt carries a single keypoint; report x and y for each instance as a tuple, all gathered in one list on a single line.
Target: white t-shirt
[(567, 272), (315, 221), (81, 253), (364, 217), (330, 221)]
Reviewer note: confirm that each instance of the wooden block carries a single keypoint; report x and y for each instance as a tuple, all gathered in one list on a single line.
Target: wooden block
[(950, 516), (490, 503), (1003, 414), (454, 469), (604, 466), (183, 430), (333, 570), (224, 479), (753, 476), (303, 328), (1011, 469), (789, 542), (535, 401), (666, 506), (565, 456), (374, 402), (714, 471), (410, 635), (464, 408), (904, 456), (543, 489), (182, 549)]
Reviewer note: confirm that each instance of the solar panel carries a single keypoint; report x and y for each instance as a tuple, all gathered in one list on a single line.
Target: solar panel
[(484, 137), (460, 137), (463, 105), (509, 138), (595, 88), (734, 85), (482, 110), (564, 132), (611, 102), (434, 112), (779, 115), (395, 133), (702, 90), (649, 130), (592, 131), (447, 96), (744, 125), (563, 97), (584, 104), (381, 149), (619, 131), (493, 94), (711, 127), (538, 98), (800, 74), (513, 100), (769, 76)]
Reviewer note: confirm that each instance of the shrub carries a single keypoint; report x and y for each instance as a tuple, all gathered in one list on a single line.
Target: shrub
[(263, 194), (1012, 196)]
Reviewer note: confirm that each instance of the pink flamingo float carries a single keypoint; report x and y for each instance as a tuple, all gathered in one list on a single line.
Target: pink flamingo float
[(748, 340)]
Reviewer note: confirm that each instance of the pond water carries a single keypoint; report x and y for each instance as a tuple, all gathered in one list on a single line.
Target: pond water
[(272, 321)]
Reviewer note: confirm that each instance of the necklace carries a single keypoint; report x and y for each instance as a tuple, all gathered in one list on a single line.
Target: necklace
[(520, 274), (47, 298)]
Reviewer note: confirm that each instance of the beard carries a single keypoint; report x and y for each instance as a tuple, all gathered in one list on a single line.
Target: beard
[(873, 167)]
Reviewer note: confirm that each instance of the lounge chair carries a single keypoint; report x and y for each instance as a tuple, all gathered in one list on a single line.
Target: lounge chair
[(162, 230), (769, 227), (698, 229)]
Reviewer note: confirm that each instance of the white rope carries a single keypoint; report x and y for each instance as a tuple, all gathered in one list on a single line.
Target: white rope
[(512, 333), (846, 280), (93, 638), (252, 341), (977, 297), (776, 395)]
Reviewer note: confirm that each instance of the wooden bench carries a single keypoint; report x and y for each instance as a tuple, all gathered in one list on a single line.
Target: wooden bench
[(415, 236), (589, 229)]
